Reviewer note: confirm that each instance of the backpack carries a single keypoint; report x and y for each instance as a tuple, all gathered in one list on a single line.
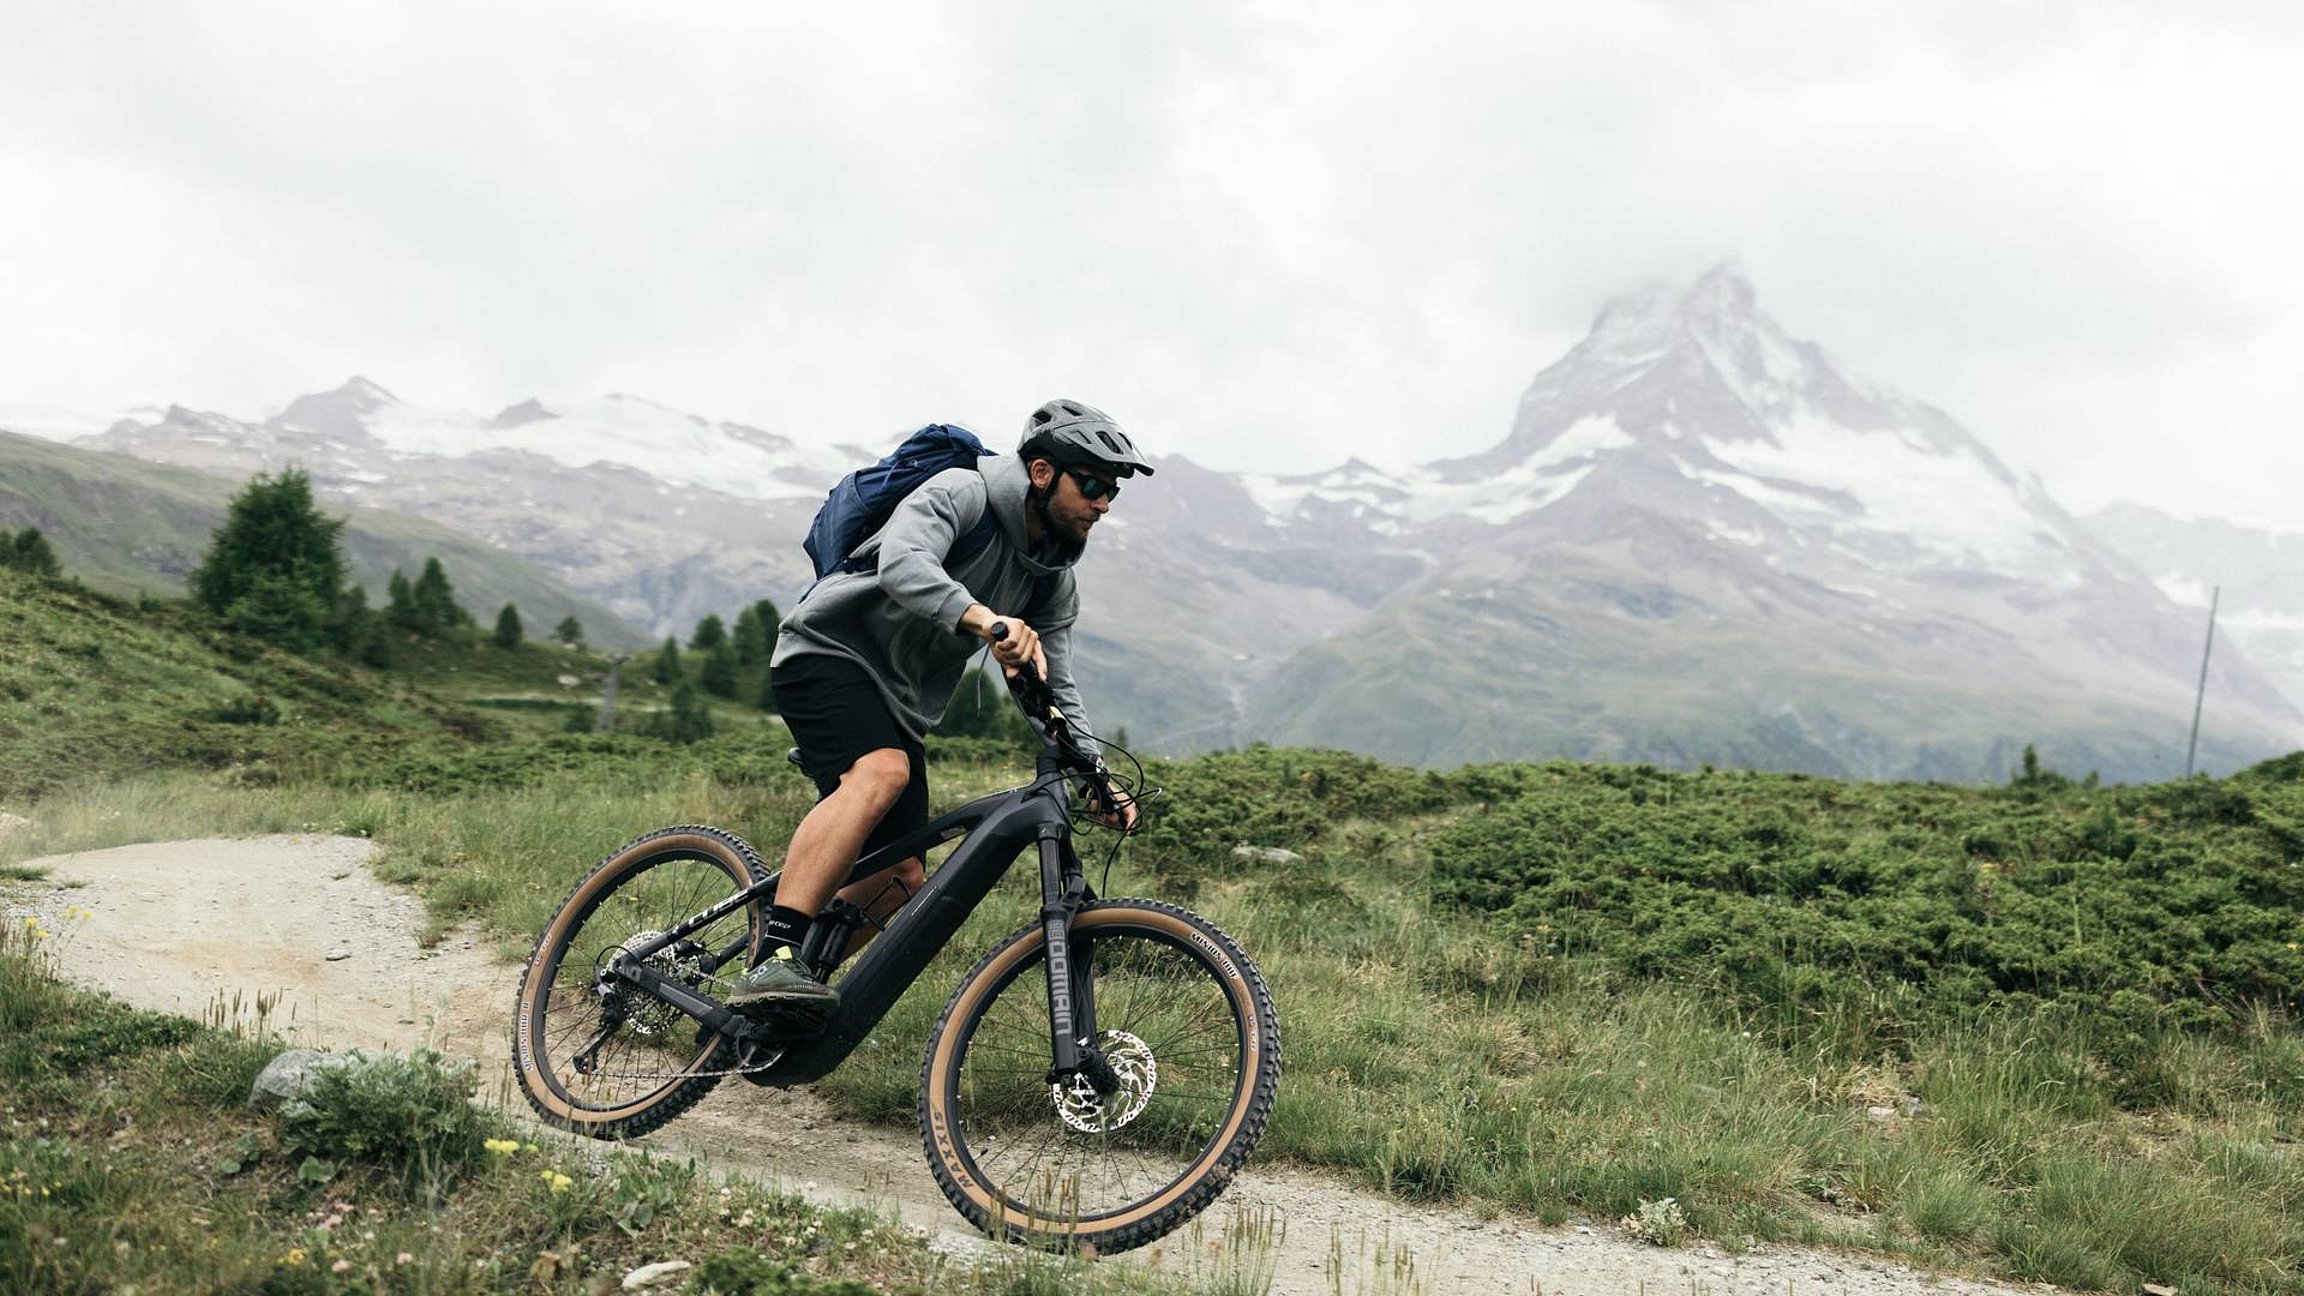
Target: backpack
[(861, 502)]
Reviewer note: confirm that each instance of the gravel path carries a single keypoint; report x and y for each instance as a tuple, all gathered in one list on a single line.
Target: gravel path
[(299, 924)]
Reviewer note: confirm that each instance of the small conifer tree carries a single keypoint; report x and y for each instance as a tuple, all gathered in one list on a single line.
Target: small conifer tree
[(711, 632), (667, 662), (435, 599), (509, 632), (570, 631), (28, 551), (275, 568), (688, 720), (751, 645), (718, 675)]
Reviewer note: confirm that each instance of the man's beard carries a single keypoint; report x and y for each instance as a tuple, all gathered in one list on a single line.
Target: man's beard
[(1057, 544)]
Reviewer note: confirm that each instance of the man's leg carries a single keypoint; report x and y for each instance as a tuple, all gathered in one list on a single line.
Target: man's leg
[(827, 842)]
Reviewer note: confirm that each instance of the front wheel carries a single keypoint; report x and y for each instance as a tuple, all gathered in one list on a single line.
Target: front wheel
[(594, 1054), (1188, 1027)]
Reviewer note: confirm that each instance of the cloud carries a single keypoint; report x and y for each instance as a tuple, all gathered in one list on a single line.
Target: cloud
[(1266, 235)]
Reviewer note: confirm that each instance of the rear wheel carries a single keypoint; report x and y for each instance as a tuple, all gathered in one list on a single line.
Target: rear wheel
[(594, 1054), (1188, 1027)]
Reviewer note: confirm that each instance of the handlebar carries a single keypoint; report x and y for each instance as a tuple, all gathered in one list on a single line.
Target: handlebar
[(1039, 704)]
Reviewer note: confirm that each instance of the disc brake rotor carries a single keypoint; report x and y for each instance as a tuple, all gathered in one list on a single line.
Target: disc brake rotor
[(1090, 1113)]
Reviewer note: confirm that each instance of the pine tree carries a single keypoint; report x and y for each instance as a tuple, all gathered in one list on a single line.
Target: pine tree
[(689, 719), (508, 629), (356, 632), (400, 603), (718, 675), (275, 568), (435, 599), (751, 645), (667, 662), (28, 551), (570, 631), (771, 621), (711, 632)]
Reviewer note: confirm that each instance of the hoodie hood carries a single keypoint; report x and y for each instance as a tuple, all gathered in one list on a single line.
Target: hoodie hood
[(1007, 492)]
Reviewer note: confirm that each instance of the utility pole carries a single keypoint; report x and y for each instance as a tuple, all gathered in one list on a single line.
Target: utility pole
[(2214, 597)]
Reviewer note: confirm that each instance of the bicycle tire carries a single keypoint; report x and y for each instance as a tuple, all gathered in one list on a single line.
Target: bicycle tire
[(658, 1062), (1169, 987)]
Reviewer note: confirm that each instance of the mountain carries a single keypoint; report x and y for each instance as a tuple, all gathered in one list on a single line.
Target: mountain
[(1706, 540), (1701, 540), (2260, 574), (125, 526)]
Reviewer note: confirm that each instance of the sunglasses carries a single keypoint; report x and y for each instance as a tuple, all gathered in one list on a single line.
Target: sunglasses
[(1093, 488)]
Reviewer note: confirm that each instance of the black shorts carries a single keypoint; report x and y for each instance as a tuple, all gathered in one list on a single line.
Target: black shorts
[(836, 714)]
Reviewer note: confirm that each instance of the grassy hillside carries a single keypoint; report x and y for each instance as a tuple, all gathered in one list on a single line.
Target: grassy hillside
[(130, 527), (1473, 679), (2044, 1029)]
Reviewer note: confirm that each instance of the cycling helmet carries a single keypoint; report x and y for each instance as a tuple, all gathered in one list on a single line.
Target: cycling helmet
[(1074, 435)]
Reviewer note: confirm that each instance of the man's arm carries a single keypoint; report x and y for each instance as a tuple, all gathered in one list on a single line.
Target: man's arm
[(912, 550)]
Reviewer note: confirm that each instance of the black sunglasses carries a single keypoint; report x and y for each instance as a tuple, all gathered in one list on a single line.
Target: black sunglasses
[(1093, 488)]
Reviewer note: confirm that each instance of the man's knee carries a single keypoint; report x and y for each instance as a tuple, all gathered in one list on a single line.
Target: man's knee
[(881, 775)]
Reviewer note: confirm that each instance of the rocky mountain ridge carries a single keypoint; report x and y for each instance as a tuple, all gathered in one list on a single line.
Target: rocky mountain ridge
[(1702, 539)]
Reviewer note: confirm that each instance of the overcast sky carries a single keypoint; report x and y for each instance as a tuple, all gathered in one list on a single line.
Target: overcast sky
[(1267, 236)]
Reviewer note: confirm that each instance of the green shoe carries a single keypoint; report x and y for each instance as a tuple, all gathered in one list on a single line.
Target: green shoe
[(781, 987)]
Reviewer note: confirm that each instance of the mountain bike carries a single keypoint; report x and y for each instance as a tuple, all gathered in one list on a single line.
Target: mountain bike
[(1093, 1083)]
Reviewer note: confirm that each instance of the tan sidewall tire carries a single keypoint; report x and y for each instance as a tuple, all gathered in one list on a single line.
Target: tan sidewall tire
[(1207, 1176), (724, 850)]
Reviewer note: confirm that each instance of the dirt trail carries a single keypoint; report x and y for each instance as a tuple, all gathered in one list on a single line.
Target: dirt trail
[(300, 923)]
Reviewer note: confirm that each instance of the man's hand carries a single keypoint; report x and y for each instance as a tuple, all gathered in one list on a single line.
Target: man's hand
[(1116, 810), (1020, 645)]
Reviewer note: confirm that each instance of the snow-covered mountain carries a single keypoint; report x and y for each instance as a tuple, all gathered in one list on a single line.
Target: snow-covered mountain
[(1702, 540), (1706, 539), (2256, 573)]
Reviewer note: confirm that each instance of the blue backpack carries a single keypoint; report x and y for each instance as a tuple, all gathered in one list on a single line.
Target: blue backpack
[(860, 502)]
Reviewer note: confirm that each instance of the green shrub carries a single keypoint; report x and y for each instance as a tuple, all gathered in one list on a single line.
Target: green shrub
[(412, 1113)]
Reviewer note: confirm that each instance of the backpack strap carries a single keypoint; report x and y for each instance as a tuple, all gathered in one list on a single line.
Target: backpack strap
[(973, 541)]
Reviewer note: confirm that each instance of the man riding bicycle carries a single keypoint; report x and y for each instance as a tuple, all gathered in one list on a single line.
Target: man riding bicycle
[(867, 662)]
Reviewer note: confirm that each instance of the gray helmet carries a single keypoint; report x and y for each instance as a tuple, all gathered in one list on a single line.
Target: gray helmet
[(1074, 435)]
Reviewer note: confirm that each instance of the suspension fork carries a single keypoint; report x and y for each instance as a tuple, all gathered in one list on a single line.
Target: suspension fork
[(1071, 1001)]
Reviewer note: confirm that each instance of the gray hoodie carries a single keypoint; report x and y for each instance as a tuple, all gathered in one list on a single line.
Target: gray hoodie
[(901, 623)]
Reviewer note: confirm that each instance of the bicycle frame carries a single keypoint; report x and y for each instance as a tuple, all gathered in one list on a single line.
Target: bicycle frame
[(997, 829)]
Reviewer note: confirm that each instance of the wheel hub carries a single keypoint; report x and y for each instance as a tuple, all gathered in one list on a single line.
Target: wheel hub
[(1092, 1113)]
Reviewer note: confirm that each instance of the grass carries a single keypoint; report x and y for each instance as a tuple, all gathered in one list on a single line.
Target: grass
[(130, 1161), (1438, 1059), (2044, 1031)]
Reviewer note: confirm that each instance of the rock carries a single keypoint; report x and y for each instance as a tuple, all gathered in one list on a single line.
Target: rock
[(339, 955), (1266, 855), (284, 1077), (1881, 1113), (2155, 1289), (1914, 1107), (661, 1274)]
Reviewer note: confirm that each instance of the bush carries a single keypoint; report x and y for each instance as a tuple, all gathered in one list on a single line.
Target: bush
[(409, 1113)]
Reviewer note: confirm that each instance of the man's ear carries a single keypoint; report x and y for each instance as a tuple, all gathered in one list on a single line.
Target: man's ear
[(1042, 472)]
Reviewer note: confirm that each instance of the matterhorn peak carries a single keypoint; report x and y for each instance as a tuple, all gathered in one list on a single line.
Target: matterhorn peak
[(1719, 307)]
